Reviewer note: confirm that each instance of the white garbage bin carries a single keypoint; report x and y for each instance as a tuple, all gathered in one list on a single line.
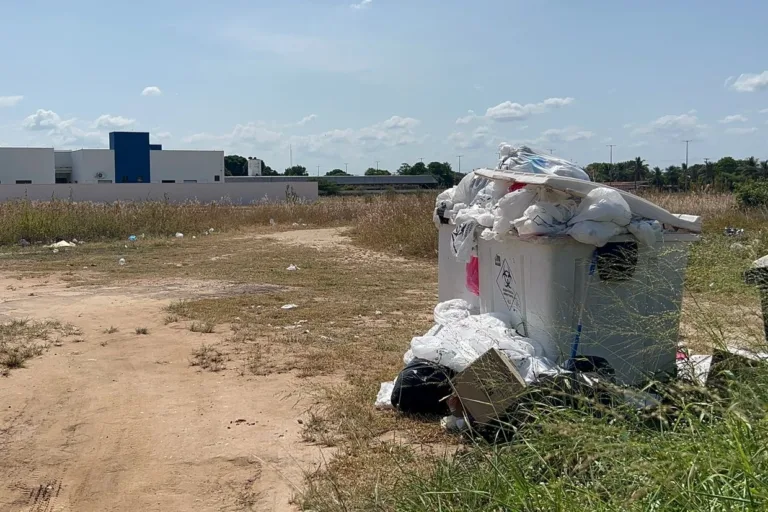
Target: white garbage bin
[(451, 274), (629, 311)]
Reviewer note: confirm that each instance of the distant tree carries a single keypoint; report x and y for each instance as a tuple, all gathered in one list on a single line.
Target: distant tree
[(657, 178), (672, 175), (296, 170), (442, 173), (641, 169), (268, 171), (418, 169), (337, 172), (404, 169), (236, 165), (377, 172)]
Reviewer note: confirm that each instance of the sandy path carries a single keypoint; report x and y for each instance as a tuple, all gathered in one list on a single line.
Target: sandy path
[(129, 425)]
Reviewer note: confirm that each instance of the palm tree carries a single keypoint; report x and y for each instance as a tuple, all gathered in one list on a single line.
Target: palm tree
[(684, 175), (764, 169), (658, 179), (640, 168)]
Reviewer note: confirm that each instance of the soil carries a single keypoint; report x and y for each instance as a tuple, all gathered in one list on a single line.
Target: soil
[(121, 421)]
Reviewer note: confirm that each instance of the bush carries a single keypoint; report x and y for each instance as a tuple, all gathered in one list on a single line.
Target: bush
[(752, 194)]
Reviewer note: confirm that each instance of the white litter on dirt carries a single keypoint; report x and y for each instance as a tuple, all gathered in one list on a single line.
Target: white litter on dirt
[(292, 268), (63, 243), (289, 306)]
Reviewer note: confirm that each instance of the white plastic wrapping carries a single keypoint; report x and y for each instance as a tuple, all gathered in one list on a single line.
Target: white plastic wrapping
[(452, 311), (544, 218), (524, 159), (384, 396), (646, 231), (595, 233)]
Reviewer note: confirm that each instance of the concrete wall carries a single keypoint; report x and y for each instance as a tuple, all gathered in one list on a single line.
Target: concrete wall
[(178, 166), (237, 193), (87, 163), (62, 159), (35, 164)]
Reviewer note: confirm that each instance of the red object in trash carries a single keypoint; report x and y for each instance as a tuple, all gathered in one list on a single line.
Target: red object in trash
[(473, 276), (516, 186)]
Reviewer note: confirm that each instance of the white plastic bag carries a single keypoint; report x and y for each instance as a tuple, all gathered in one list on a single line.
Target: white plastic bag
[(452, 311), (594, 233), (468, 188), (645, 230), (524, 159), (603, 205), (384, 396), (543, 219)]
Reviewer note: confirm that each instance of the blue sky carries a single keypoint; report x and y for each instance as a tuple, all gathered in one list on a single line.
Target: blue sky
[(390, 80)]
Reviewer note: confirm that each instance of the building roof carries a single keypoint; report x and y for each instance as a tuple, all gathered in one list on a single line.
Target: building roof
[(426, 179)]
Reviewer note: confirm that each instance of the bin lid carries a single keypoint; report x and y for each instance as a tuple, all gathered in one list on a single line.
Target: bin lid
[(580, 188)]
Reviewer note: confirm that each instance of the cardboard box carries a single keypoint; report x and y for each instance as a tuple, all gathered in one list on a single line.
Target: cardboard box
[(489, 386)]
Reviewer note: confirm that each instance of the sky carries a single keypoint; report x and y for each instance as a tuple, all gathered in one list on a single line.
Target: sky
[(363, 83)]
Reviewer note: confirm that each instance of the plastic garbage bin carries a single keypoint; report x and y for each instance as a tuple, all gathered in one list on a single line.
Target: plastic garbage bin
[(451, 274), (629, 311)]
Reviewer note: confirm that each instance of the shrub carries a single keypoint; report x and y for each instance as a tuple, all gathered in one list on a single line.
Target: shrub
[(752, 194)]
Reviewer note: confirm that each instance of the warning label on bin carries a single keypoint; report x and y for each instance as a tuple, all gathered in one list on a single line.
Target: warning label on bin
[(508, 286)]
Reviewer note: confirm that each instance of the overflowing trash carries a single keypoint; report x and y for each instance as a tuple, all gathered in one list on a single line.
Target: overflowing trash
[(531, 243)]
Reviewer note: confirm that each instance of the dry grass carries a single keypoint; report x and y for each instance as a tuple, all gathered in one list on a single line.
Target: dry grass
[(208, 358), (111, 330), (142, 330), (202, 327), (21, 340)]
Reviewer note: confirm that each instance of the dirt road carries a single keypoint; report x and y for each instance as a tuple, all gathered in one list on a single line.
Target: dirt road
[(121, 422)]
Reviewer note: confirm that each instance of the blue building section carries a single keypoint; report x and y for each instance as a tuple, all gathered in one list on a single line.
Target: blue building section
[(155, 147), (131, 156)]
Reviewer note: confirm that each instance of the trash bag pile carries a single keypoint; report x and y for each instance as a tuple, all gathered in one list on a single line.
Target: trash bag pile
[(494, 210)]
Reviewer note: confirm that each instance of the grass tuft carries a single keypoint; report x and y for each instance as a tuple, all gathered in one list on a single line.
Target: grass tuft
[(208, 358), (142, 330), (203, 327)]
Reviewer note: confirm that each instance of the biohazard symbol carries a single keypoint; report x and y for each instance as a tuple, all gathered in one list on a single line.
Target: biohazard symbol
[(508, 287)]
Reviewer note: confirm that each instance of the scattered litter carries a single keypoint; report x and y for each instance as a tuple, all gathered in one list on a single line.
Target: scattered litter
[(132, 238), (179, 265), (121, 261), (74, 240), (24, 243), (125, 246), (194, 237), (295, 224), (62, 244), (421, 388), (453, 424), (729, 231), (55, 251), (379, 313), (179, 235), (81, 242), (289, 306), (292, 268), (210, 230), (694, 368), (272, 222)]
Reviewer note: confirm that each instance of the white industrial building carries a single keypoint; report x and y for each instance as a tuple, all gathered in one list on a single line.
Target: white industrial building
[(130, 159)]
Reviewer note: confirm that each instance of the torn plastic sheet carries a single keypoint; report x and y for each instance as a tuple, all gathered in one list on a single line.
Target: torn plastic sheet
[(524, 159)]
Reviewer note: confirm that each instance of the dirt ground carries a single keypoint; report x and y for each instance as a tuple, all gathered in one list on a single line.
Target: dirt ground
[(122, 421)]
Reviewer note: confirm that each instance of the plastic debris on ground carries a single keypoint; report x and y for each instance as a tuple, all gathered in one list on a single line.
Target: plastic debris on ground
[(179, 235), (292, 268), (55, 251), (121, 261), (62, 244), (289, 306), (729, 231), (132, 238), (24, 243)]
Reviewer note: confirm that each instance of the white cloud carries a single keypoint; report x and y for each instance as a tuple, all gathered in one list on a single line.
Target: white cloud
[(561, 135), (10, 101), (728, 81), (471, 116), (42, 120), (508, 111), (764, 111), (751, 82), (109, 122), (741, 131), (307, 119), (63, 132), (152, 90), (523, 128), (606, 140), (627, 126), (639, 144), (362, 5), (735, 118), (252, 135), (400, 123), (162, 135), (478, 139), (673, 126)]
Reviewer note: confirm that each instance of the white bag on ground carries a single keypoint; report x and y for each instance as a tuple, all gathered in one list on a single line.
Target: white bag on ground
[(603, 205), (384, 396), (459, 344)]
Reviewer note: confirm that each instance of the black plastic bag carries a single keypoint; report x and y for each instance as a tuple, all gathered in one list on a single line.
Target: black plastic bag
[(421, 388)]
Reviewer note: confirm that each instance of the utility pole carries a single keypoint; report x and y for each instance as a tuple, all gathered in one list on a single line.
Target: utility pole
[(346, 167), (459, 156), (377, 166), (610, 166), (686, 152), (318, 171), (551, 151), (422, 159), (290, 149)]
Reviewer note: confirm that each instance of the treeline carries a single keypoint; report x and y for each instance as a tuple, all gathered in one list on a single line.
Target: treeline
[(236, 165), (724, 175)]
